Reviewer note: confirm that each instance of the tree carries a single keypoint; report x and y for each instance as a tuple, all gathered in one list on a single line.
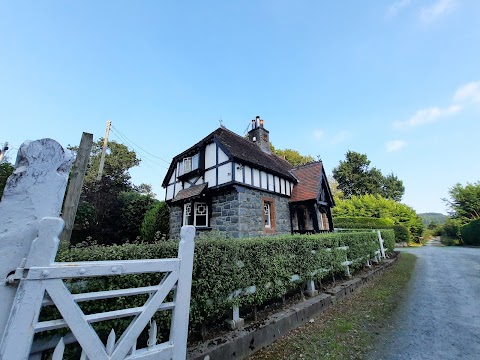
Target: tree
[(111, 210), (292, 156), (6, 169), (156, 223), (465, 201), (378, 207), (355, 178), (392, 188)]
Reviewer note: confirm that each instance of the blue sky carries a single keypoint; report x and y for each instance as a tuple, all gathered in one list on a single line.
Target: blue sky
[(398, 80)]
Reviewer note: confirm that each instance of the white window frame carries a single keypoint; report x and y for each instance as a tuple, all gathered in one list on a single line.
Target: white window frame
[(267, 213), (187, 161), (187, 211), (195, 214)]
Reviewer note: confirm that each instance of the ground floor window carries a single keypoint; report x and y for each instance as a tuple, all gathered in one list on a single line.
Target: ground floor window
[(201, 215), (195, 214), (268, 214)]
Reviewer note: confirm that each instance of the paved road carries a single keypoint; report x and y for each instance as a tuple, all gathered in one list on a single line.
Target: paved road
[(440, 318)]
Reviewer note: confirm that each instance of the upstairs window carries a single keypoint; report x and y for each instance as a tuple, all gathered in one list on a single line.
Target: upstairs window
[(188, 164)]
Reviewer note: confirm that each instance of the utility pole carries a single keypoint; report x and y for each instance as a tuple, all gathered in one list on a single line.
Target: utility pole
[(104, 150), (75, 187), (3, 151)]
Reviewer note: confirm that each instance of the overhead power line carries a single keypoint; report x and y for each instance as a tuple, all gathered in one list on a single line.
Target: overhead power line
[(138, 146), (147, 160)]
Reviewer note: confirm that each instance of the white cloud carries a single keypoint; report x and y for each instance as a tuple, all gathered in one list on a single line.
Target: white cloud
[(395, 145), (340, 137), (426, 116), (318, 134), (396, 7), (468, 93), (439, 8)]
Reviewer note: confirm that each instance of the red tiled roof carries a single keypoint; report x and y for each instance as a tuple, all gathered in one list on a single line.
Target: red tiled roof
[(308, 185)]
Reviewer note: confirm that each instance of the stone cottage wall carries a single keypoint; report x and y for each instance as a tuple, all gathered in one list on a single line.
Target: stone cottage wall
[(175, 221), (250, 212), (238, 212)]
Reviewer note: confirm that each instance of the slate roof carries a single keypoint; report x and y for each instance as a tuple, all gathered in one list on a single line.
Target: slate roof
[(190, 192), (308, 186), (240, 149)]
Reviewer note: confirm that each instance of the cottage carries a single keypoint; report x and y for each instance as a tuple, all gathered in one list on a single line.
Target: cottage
[(236, 185)]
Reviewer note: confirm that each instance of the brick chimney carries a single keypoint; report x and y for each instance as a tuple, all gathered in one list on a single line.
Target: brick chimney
[(259, 134)]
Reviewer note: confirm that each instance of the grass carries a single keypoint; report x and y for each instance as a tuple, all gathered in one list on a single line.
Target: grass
[(349, 329)]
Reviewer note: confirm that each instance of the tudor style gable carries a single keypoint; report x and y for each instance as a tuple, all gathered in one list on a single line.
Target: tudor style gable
[(223, 158)]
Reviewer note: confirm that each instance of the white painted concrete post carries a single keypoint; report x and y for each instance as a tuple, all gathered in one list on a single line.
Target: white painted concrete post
[(311, 291), (236, 321), (181, 312), (382, 249), (35, 190)]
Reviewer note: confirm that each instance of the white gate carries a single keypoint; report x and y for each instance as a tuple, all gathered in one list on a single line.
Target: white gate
[(40, 283)]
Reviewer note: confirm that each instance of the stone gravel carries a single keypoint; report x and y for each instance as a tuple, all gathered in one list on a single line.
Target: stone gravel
[(440, 318)]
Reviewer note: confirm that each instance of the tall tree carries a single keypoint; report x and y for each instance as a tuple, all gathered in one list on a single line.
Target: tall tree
[(465, 201), (355, 177), (392, 187), (111, 208)]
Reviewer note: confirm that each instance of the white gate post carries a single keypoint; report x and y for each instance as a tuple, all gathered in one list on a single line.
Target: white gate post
[(181, 312), (35, 190)]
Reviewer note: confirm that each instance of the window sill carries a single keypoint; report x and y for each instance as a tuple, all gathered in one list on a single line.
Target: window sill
[(203, 228)]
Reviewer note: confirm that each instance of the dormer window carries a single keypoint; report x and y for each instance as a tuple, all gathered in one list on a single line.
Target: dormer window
[(188, 164)]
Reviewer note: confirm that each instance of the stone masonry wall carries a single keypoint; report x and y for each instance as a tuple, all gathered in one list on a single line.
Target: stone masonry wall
[(175, 221), (238, 212), (250, 213)]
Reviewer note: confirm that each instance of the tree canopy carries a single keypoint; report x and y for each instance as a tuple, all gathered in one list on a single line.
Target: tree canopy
[(355, 177), (464, 201), (292, 156), (112, 210)]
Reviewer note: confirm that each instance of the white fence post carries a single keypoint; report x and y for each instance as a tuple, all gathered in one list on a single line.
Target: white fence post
[(181, 312), (380, 240), (35, 190)]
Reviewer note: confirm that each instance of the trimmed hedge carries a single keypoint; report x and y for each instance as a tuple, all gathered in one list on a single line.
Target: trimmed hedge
[(222, 266), (401, 233), (471, 233), (362, 222)]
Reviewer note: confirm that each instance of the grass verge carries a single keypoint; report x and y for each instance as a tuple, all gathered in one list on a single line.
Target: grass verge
[(349, 329)]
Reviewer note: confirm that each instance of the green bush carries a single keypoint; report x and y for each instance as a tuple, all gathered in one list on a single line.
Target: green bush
[(362, 222), (401, 233), (224, 268), (471, 233), (156, 223), (451, 228)]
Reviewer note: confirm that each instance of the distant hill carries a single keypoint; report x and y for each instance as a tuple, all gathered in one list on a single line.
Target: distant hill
[(428, 218)]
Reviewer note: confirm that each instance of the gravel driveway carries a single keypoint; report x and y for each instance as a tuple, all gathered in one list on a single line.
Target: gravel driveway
[(440, 317)]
